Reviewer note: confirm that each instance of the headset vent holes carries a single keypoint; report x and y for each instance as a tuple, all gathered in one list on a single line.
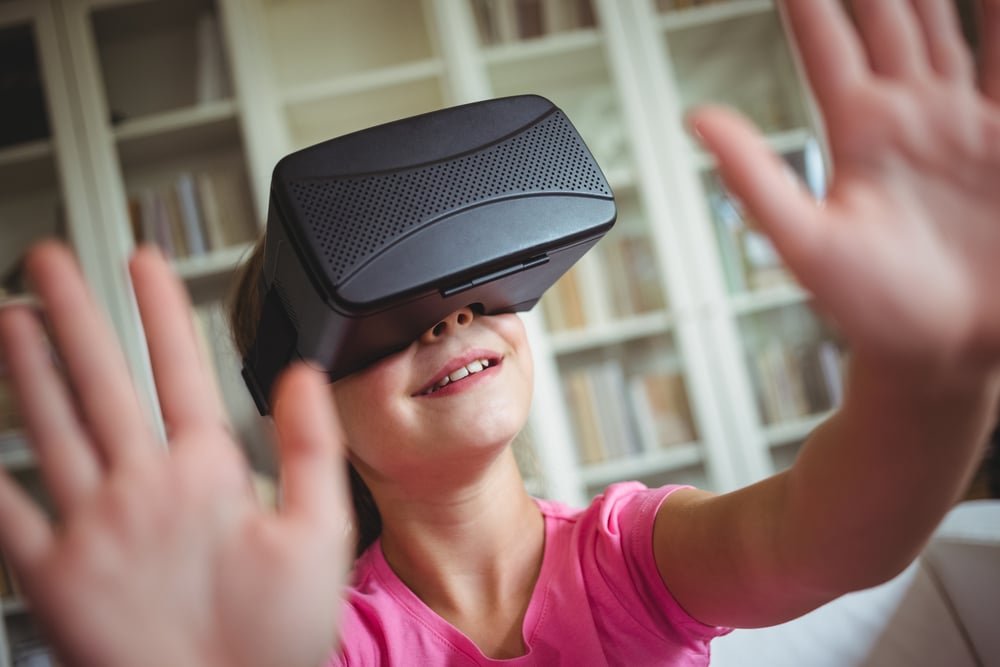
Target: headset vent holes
[(351, 219)]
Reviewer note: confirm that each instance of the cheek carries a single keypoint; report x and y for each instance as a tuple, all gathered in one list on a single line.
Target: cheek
[(511, 327), (364, 404)]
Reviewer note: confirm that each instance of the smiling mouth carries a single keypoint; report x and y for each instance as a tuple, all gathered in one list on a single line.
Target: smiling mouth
[(459, 374)]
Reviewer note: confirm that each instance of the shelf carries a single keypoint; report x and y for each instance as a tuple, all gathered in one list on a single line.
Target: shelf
[(674, 457), (211, 273), (159, 55), (363, 82), (26, 153), (28, 166), (311, 41), (611, 333), (776, 297), (554, 64), (693, 17), (557, 44), (172, 134)]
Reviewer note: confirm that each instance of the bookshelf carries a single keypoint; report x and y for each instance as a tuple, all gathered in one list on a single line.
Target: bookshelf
[(655, 356)]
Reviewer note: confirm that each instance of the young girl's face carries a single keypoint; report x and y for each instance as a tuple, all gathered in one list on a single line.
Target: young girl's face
[(462, 390)]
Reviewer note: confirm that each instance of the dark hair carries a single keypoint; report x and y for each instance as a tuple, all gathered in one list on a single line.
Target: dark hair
[(244, 312)]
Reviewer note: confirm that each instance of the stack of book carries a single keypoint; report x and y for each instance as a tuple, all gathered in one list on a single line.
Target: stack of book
[(562, 305), (502, 21), (196, 214), (627, 284), (616, 416), (633, 275), (796, 380)]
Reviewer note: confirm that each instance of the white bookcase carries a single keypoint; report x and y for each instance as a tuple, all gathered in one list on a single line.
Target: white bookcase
[(677, 351)]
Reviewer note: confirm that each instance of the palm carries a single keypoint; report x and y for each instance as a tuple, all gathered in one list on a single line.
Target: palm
[(167, 558), (902, 253)]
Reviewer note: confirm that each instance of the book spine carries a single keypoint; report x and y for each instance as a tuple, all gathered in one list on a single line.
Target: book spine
[(190, 214)]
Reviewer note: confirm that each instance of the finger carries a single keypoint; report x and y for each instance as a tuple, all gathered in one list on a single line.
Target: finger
[(750, 170), (892, 37), (89, 349), (989, 41), (65, 456), (185, 384), (946, 48), (830, 50), (310, 445), (25, 532)]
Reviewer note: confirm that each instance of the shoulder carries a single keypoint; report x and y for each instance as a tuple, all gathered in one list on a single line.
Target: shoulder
[(610, 543), (628, 506), (612, 537)]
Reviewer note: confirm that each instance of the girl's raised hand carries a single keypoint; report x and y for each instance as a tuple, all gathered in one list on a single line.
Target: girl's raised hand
[(904, 253), (163, 556)]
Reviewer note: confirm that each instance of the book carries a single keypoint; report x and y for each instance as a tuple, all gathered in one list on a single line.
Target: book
[(832, 364), (505, 28), (189, 214), (563, 304), (530, 19), (780, 384), (582, 404), (169, 221), (199, 213), (482, 11), (213, 217), (642, 274), (662, 409), (728, 227), (212, 79), (597, 397), (227, 206), (614, 412)]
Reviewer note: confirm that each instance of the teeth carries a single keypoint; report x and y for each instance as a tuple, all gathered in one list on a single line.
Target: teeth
[(461, 373)]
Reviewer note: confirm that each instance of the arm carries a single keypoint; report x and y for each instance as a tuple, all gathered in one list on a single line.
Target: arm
[(164, 557), (902, 256)]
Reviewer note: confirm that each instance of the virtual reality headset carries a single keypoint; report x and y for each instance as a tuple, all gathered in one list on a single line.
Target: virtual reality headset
[(374, 237)]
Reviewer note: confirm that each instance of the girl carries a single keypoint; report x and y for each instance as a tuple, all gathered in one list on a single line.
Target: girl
[(163, 557)]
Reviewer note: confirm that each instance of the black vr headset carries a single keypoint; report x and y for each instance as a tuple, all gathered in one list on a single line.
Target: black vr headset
[(374, 237)]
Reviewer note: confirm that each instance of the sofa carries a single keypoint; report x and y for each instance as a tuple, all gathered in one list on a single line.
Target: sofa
[(942, 611)]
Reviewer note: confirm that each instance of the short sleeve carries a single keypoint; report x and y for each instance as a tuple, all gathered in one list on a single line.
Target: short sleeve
[(615, 539)]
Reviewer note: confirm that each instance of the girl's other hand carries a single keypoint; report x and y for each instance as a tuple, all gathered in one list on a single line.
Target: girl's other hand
[(903, 253), (162, 556)]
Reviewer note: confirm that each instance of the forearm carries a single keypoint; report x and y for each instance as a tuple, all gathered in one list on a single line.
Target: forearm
[(872, 482)]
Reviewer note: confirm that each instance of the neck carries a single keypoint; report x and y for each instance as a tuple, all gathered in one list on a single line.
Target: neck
[(470, 550)]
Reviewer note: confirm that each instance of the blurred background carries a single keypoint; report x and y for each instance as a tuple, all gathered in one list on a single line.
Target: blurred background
[(679, 350)]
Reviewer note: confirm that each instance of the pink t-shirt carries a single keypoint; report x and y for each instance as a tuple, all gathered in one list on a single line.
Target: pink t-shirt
[(599, 600)]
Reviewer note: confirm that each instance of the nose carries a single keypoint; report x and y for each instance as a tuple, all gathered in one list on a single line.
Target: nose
[(457, 320)]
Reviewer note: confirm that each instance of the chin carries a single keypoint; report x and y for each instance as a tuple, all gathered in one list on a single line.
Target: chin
[(489, 427)]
